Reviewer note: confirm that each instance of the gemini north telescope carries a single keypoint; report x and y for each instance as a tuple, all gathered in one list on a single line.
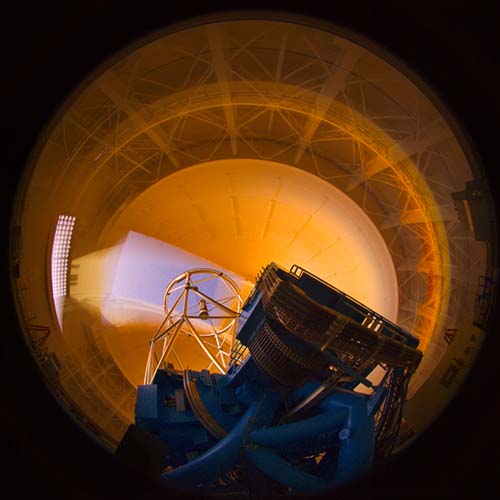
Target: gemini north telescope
[(285, 415), (252, 255)]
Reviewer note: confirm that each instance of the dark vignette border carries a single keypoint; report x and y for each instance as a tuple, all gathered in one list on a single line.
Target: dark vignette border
[(50, 48)]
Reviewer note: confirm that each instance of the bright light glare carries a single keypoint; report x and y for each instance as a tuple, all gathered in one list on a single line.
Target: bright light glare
[(60, 255)]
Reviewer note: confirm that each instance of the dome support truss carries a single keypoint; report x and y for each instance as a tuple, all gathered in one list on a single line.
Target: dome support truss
[(404, 209), (147, 133)]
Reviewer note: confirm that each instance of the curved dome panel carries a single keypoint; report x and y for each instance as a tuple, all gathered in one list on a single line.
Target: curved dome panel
[(242, 214)]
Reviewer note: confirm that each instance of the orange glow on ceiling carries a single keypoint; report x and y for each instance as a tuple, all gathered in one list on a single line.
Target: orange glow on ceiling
[(242, 214)]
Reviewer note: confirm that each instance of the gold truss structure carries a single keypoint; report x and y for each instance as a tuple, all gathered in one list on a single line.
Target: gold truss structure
[(187, 303)]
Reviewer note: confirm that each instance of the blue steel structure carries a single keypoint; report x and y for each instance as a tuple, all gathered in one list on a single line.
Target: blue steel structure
[(286, 416)]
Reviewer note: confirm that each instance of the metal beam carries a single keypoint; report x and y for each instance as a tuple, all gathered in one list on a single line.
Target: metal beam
[(278, 74), (223, 71), (423, 266), (115, 90), (434, 133), (204, 347), (417, 216), (340, 70)]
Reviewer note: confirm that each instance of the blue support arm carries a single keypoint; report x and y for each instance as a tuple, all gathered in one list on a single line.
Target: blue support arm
[(342, 409), (357, 439), (217, 460), (284, 473), (285, 434)]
